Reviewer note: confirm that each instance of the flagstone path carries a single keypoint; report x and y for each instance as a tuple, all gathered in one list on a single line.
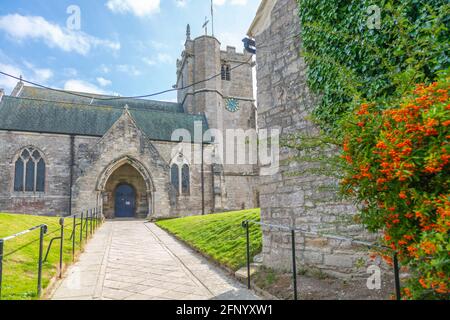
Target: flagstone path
[(136, 260)]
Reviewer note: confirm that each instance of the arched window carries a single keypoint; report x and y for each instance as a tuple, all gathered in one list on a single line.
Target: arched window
[(225, 72), (175, 177), (185, 180), (29, 172), (180, 176)]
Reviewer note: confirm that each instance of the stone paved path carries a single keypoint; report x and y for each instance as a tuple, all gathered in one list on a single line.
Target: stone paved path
[(139, 261)]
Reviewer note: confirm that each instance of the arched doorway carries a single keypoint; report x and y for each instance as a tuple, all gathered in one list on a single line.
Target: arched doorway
[(125, 194), (125, 201), (126, 170)]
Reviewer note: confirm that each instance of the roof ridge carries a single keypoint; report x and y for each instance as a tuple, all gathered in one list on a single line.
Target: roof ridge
[(98, 106), (101, 95)]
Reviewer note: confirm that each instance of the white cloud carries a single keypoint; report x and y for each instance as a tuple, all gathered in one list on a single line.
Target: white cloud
[(8, 83), (163, 58), (139, 8), (40, 75), (28, 71), (104, 82), (149, 61), (21, 28), (82, 86), (130, 70)]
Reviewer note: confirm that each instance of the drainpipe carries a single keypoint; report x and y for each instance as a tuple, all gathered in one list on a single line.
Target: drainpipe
[(72, 164), (203, 181)]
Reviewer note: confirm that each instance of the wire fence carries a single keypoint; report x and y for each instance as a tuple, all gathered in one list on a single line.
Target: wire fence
[(288, 239), (70, 234)]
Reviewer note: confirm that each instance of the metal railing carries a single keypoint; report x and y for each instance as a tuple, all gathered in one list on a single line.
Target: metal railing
[(89, 221), (293, 231)]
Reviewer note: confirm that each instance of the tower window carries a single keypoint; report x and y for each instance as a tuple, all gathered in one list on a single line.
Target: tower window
[(29, 172), (226, 72)]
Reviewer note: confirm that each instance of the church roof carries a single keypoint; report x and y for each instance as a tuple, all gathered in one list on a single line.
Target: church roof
[(44, 94), (61, 113)]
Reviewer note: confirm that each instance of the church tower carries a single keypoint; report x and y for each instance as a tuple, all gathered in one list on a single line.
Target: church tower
[(227, 102)]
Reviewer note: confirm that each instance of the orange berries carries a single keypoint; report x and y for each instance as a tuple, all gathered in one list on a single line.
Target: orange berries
[(396, 163)]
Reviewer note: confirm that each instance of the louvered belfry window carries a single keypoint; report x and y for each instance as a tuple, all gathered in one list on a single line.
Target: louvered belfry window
[(29, 174)]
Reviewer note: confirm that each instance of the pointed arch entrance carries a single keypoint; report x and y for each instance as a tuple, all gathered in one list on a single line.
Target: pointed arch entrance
[(125, 189)]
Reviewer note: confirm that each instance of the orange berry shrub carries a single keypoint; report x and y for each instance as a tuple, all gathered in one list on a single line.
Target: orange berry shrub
[(397, 167)]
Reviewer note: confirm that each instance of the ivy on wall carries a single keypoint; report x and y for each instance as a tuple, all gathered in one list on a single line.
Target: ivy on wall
[(355, 55)]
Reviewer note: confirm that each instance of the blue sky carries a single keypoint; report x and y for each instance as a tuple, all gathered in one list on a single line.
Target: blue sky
[(126, 47)]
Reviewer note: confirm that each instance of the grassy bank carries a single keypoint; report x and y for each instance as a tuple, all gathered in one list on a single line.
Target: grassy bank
[(20, 262), (220, 236)]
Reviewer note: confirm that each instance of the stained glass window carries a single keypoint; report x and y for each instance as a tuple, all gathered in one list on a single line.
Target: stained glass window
[(185, 179), (40, 176), (18, 175), (29, 174), (174, 177)]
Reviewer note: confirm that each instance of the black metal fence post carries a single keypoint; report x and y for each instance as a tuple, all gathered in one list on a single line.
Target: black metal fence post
[(86, 225), (73, 236), (294, 265), (90, 222), (81, 229), (397, 277), (247, 231), (61, 246), (95, 218), (1, 266), (43, 231)]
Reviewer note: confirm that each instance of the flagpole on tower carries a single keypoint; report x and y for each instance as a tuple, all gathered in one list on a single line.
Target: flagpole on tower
[(212, 17)]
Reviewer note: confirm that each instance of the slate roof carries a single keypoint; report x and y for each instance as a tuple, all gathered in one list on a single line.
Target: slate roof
[(64, 114), (44, 94)]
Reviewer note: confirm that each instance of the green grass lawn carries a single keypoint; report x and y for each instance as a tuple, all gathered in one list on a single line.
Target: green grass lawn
[(20, 262), (220, 236)]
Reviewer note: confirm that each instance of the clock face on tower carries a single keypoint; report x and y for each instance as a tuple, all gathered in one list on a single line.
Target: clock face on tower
[(232, 105)]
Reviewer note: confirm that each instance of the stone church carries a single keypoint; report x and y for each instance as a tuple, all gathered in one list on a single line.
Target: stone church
[(62, 153)]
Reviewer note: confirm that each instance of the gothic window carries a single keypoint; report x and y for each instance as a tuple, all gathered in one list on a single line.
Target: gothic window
[(29, 172), (175, 177), (180, 176), (226, 72), (185, 179)]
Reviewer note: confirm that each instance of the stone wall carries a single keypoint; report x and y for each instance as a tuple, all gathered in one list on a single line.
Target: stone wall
[(56, 151), (297, 196)]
